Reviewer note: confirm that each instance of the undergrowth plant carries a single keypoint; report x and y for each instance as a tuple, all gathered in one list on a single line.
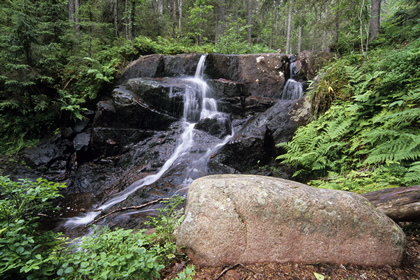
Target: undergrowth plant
[(110, 254), (25, 251), (165, 224), (125, 254), (371, 131)]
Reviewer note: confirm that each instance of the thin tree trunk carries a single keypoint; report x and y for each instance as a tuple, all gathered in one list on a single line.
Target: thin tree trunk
[(336, 28), (275, 30), (299, 49), (249, 21), (361, 26), (180, 16), (375, 22), (174, 19), (132, 19), (115, 14), (324, 30), (127, 17), (76, 14), (220, 20), (289, 28), (71, 10)]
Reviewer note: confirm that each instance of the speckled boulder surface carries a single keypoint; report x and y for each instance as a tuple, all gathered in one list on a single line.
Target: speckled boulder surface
[(233, 219)]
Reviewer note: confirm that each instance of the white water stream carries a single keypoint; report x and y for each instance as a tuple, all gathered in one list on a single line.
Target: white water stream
[(197, 106)]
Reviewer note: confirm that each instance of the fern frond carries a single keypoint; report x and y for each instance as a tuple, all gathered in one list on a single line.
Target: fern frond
[(402, 118), (338, 128), (405, 147), (413, 174)]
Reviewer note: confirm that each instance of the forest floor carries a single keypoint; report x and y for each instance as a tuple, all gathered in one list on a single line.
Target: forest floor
[(410, 269)]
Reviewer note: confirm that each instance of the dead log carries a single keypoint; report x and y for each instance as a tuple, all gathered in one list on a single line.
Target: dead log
[(400, 204)]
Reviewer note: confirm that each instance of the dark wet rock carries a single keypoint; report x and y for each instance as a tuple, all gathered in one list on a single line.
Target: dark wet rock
[(223, 88), (126, 110), (255, 143), (216, 126), (46, 153), (164, 95), (145, 66), (67, 132), (81, 141), (81, 125), (261, 74), (180, 65), (111, 141)]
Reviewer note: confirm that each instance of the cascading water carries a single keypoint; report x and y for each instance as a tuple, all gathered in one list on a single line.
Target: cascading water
[(197, 106), (293, 89)]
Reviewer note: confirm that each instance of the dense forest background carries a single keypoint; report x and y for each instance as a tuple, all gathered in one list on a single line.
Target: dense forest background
[(57, 57)]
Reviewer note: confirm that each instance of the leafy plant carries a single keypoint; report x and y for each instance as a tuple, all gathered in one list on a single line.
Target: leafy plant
[(110, 254), (186, 274), (167, 220), (25, 250)]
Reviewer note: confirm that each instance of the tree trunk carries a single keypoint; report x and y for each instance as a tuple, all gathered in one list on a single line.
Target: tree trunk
[(115, 15), (180, 16), (361, 26), (249, 21), (336, 28), (400, 204), (299, 47), (132, 19), (289, 28), (375, 18), (76, 12), (128, 19), (71, 10), (220, 19)]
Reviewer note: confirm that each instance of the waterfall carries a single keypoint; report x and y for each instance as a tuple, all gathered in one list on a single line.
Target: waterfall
[(197, 106), (293, 89)]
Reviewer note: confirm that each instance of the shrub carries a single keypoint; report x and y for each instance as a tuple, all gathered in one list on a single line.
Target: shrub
[(25, 251), (110, 254)]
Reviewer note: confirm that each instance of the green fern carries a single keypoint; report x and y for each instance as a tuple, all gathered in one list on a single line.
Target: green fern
[(400, 119), (404, 147), (413, 174)]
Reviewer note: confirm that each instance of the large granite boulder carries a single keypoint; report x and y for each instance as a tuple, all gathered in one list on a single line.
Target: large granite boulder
[(233, 219)]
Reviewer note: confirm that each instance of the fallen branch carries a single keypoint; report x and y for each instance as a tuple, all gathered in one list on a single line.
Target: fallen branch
[(400, 204), (234, 266), (123, 209)]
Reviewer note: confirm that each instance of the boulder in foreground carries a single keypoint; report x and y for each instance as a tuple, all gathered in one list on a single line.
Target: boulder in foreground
[(233, 219)]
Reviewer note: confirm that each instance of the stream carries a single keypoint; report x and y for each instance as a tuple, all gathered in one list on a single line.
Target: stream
[(198, 105)]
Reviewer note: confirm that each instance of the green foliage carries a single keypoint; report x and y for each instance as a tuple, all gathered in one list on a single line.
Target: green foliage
[(186, 274), (24, 250), (369, 137), (125, 254), (404, 25), (106, 254), (362, 181), (27, 252), (167, 220), (198, 18)]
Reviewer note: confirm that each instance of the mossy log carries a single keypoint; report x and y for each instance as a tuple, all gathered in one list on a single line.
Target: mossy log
[(400, 204)]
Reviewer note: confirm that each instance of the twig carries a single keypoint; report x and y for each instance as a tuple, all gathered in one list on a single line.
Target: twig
[(232, 267), (124, 209)]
